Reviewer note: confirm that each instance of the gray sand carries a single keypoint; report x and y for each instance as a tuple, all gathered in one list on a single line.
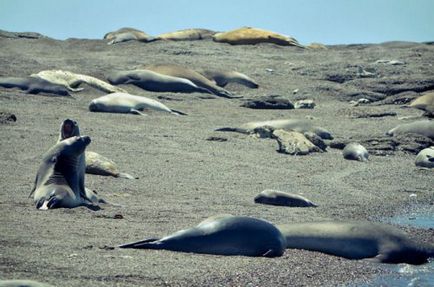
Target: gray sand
[(184, 178)]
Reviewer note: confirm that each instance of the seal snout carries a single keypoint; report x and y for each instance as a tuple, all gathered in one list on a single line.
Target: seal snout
[(93, 106), (86, 139)]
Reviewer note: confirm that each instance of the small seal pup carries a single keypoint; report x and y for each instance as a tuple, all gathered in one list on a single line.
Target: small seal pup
[(127, 34), (280, 198), (356, 240), (156, 82), (90, 162), (222, 235), (252, 36), (72, 80), (58, 180), (355, 151), (126, 103), (187, 35), (425, 158), (298, 125), (32, 85), (423, 127), (222, 78), (189, 74)]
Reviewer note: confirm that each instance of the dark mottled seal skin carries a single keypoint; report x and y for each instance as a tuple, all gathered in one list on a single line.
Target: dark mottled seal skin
[(156, 82), (280, 198), (222, 235), (355, 151), (32, 85), (58, 179), (357, 240)]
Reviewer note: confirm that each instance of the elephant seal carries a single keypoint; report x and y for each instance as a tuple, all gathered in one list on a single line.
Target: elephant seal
[(252, 36), (126, 103), (424, 103), (22, 283), (187, 35), (280, 198), (90, 162), (423, 127), (356, 240), (58, 180), (222, 235), (298, 125), (355, 151), (195, 77), (425, 158), (32, 85), (222, 78), (72, 80), (156, 82), (127, 34)]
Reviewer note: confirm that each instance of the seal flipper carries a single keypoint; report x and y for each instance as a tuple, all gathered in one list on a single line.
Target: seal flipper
[(125, 175), (152, 243), (178, 113), (137, 112)]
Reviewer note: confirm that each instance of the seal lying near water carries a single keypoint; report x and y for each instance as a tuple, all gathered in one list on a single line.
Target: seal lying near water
[(127, 34), (32, 85), (126, 103), (59, 178), (356, 240), (72, 80), (222, 235)]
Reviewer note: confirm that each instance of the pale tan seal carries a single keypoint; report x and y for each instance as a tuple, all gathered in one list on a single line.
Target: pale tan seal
[(355, 151), (251, 36), (187, 35), (356, 240), (425, 158), (222, 78), (195, 77), (294, 143), (280, 198), (222, 235), (127, 34), (424, 103), (126, 103), (423, 127), (72, 80)]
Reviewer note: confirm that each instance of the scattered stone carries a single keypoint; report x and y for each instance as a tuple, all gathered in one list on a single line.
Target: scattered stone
[(304, 104), (294, 143), (217, 139), (359, 101), (270, 102), (339, 78), (390, 62), (6, 118), (16, 35), (362, 73), (295, 91), (106, 247), (280, 198), (316, 46), (367, 114)]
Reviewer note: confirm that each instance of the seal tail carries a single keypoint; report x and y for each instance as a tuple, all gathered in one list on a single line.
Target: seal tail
[(178, 113), (125, 175), (152, 243)]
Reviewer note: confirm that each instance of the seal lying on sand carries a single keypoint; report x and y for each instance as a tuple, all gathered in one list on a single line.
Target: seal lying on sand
[(222, 235), (90, 162), (251, 36), (59, 178), (425, 158), (72, 80), (424, 103), (22, 283), (356, 240), (195, 77), (156, 82), (222, 78), (280, 198), (355, 151), (187, 35), (127, 34), (126, 103), (424, 127), (298, 125), (32, 85)]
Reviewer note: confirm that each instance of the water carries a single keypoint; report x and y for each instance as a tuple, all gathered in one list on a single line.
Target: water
[(405, 275)]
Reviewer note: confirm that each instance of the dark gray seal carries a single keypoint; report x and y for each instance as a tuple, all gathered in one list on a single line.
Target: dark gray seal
[(280, 198), (356, 240), (222, 235), (424, 127), (355, 151), (32, 85)]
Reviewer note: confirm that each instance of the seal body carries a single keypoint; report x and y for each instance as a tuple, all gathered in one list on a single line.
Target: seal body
[(251, 36), (222, 235), (355, 151), (22, 283), (58, 179), (424, 103), (425, 158), (195, 77), (423, 127), (356, 240), (187, 35), (222, 78), (156, 82), (280, 198), (126, 103), (32, 85), (127, 34)]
